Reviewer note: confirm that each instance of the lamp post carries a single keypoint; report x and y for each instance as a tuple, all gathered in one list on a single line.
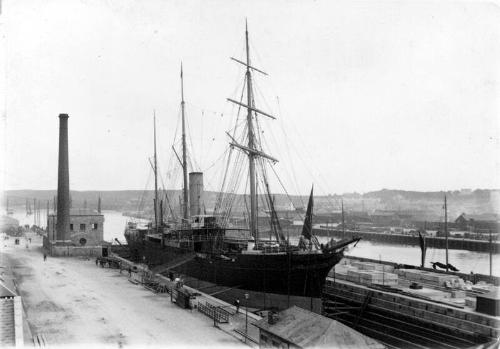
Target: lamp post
[(247, 296)]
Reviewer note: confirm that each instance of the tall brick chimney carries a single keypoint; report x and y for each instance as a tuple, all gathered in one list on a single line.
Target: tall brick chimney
[(62, 227)]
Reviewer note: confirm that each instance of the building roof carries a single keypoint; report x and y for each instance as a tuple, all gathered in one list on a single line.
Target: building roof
[(383, 214), (5, 291), (493, 294), (307, 329), (8, 221), (7, 286), (485, 217)]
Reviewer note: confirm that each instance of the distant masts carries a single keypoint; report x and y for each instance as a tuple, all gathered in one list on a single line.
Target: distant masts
[(48, 213), (343, 222), (34, 212)]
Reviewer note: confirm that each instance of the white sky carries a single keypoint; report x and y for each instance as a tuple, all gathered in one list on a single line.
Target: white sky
[(372, 94)]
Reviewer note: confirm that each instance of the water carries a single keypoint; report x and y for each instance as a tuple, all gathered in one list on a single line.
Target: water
[(465, 261), (114, 223)]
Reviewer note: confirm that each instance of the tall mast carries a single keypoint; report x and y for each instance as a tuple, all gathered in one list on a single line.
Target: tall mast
[(48, 212), (156, 173), (446, 230), (250, 148), (251, 155), (491, 255), (343, 223), (184, 155)]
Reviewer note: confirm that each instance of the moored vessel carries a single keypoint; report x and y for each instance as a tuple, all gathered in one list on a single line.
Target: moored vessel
[(238, 263)]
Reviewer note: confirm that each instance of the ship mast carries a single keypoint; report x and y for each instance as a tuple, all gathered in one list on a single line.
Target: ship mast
[(343, 222), (446, 230), (184, 155), (250, 148), (251, 162), (155, 167)]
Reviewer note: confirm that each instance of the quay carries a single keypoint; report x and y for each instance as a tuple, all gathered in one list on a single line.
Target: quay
[(110, 301), (404, 239), (71, 302)]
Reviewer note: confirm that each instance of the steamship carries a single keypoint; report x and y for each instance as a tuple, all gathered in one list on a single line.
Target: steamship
[(267, 272)]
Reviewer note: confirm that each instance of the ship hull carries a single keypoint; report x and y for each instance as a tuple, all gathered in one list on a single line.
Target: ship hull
[(295, 274), (151, 253)]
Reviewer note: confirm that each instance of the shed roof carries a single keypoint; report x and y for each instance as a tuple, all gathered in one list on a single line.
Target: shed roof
[(7, 287), (5, 292), (307, 329), (494, 294)]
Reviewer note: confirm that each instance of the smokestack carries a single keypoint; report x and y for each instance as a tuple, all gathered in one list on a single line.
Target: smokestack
[(195, 193), (99, 205), (63, 200)]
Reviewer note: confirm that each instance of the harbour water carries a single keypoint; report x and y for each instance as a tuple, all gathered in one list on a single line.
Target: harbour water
[(465, 261)]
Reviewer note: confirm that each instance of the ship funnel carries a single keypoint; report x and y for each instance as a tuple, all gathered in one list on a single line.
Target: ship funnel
[(195, 193), (63, 199)]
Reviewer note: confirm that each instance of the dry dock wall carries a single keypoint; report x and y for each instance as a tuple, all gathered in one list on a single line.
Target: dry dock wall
[(454, 319)]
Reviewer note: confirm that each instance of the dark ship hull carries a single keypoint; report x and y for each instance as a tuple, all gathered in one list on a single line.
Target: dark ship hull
[(294, 274), (271, 279)]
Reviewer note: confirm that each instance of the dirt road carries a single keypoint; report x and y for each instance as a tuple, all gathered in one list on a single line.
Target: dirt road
[(73, 302)]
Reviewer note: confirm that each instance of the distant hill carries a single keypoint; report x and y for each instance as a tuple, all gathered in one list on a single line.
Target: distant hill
[(428, 205)]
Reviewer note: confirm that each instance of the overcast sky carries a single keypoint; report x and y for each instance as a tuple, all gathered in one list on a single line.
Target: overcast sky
[(367, 94)]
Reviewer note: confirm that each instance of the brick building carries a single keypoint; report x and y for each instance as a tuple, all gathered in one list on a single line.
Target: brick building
[(86, 227)]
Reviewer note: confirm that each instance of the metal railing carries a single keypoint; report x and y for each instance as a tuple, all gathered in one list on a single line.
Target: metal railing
[(214, 312)]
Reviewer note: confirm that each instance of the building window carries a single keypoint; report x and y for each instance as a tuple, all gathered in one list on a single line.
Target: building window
[(276, 344), (71, 227), (94, 226), (82, 227)]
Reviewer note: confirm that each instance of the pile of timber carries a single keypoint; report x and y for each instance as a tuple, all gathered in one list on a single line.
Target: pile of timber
[(428, 278), (365, 273)]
